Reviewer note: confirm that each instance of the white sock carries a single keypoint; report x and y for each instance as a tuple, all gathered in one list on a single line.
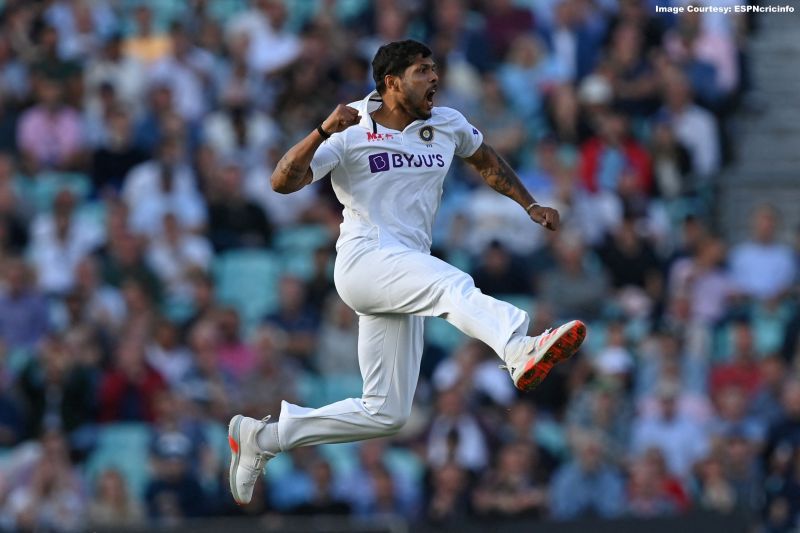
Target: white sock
[(515, 348), (267, 439)]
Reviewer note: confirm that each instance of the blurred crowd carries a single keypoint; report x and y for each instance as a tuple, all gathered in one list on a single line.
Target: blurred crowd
[(153, 284)]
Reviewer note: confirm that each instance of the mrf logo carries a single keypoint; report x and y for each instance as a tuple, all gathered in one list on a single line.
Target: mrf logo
[(379, 136), (384, 161)]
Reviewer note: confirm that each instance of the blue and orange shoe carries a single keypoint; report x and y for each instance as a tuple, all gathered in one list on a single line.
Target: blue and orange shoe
[(544, 352), (247, 460)]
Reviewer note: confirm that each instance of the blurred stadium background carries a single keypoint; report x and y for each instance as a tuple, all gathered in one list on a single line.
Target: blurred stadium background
[(153, 284)]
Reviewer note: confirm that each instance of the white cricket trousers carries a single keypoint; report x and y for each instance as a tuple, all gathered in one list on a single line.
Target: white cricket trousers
[(393, 288)]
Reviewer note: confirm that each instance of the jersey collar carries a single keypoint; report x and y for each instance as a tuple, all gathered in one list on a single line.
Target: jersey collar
[(370, 103), (367, 105)]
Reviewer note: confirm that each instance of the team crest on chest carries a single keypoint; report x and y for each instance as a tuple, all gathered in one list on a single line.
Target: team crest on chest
[(426, 134)]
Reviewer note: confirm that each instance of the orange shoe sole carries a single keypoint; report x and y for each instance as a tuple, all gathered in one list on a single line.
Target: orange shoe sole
[(564, 348)]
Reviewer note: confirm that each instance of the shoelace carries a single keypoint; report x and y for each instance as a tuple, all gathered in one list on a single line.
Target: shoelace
[(536, 342)]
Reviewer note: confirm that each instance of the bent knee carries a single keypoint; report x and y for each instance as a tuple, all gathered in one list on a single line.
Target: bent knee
[(390, 423)]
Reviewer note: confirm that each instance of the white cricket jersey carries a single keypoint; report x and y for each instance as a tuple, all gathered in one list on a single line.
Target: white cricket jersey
[(389, 181)]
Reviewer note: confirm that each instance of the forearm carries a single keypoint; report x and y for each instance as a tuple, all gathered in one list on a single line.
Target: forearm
[(293, 171), (499, 175)]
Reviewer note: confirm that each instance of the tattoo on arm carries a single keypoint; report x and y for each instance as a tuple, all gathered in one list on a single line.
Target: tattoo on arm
[(290, 172), (499, 175)]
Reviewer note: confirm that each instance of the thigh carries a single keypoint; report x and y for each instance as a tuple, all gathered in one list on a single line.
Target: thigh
[(395, 280)]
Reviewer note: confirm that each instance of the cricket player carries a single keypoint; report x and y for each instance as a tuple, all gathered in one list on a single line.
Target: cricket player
[(387, 157)]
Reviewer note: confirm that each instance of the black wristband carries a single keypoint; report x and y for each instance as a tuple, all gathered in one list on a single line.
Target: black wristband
[(322, 133)]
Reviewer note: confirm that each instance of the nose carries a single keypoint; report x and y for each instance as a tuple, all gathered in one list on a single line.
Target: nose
[(434, 76)]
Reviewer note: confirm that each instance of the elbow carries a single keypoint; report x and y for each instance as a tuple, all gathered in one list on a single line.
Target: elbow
[(278, 185)]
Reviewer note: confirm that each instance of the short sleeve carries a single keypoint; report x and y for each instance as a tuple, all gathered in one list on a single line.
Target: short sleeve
[(468, 138), (328, 156)]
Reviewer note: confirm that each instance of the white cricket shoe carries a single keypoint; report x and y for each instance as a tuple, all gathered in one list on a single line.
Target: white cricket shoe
[(543, 352), (247, 460)]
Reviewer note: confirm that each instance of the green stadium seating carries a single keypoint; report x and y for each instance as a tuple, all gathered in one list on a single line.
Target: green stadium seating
[(248, 281)]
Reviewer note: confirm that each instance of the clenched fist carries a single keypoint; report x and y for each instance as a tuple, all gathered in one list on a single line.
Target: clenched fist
[(546, 216), (342, 118)]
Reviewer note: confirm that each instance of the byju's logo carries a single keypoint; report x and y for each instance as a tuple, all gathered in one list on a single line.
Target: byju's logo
[(383, 161), (379, 162)]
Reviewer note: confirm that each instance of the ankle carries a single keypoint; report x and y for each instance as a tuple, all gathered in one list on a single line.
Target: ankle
[(267, 439)]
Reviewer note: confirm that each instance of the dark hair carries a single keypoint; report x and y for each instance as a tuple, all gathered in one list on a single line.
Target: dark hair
[(394, 58)]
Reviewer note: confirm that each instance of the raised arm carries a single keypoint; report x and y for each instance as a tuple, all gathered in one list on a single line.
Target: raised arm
[(501, 177), (293, 171)]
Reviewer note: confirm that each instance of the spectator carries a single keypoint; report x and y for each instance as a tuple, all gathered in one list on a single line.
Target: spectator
[(167, 355), (49, 135), (672, 163), (187, 70), (174, 494), (234, 220), (574, 288), (238, 132), (681, 440), (741, 367), (694, 127), (147, 44), (646, 491), (500, 273), (785, 432), (455, 434), (322, 501), (59, 242), (634, 268), (338, 340), (51, 500), (504, 23), (273, 378), (128, 391), (115, 158), (124, 72), (174, 254), (112, 505), (448, 502), (612, 156), (160, 186), (510, 491), (271, 46), (587, 485), (23, 310), (763, 268), (57, 390), (296, 319), (528, 70)]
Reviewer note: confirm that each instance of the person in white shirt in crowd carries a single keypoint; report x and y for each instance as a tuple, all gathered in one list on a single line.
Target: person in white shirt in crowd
[(123, 72), (239, 131), (271, 46), (60, 240), (682, 440), (188, 71), (163, 185), (174, 253), (694, 127), (763, 267)]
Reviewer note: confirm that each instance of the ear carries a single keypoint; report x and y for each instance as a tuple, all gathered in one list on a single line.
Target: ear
[(391, 81)]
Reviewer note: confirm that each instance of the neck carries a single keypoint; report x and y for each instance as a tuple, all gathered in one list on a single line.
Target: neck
[(392, 115)]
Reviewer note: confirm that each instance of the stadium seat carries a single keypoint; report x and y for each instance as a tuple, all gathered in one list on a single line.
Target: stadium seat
[(42, 190), (248, 280), (124, 447), (297, 244)]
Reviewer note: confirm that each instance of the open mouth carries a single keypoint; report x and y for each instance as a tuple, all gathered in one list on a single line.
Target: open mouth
[(429, 96)]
